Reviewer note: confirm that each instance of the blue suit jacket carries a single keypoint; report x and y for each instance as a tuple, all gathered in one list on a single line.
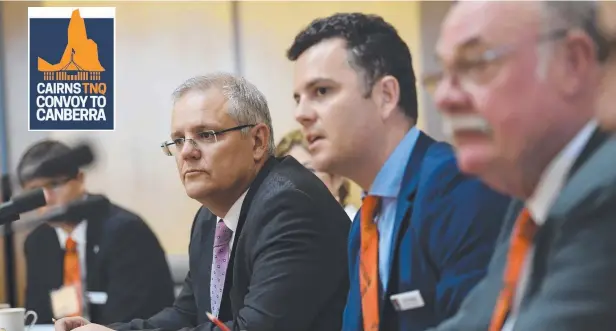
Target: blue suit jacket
[(445, 231)]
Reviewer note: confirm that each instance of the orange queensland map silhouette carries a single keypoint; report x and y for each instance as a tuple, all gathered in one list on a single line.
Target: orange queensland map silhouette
[(80, 59)]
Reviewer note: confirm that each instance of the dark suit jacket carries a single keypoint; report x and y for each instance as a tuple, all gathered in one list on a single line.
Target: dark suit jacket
[(123, 259), (571, 287), (445, 231), (288, 265)]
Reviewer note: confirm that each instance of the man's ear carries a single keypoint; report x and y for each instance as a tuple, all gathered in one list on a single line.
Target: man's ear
[(386, 94), (81, 181), (260, 137), (579, 56), (80, 177)]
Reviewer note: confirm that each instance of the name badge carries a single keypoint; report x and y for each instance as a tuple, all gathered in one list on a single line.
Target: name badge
[(65, 301), (97, 298), (407, 300)]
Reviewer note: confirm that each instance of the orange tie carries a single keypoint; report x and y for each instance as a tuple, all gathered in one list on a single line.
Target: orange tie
[(522, 241), (368, 262), (72, 276)]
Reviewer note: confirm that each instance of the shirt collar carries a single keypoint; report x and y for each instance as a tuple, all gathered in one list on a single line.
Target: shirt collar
[(233, 215), (554, 176), (78, 234), (389, 179)]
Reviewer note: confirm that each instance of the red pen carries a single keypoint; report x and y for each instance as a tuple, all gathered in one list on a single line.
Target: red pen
[(217, 322)]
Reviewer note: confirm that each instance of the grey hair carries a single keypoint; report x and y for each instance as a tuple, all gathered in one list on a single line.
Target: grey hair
[(572, 14), (246, 104)]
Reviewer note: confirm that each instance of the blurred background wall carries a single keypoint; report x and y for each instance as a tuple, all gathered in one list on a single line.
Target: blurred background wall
[(181, 40)]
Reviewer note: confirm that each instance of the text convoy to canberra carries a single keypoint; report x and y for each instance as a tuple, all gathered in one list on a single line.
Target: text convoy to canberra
[(77, 101)]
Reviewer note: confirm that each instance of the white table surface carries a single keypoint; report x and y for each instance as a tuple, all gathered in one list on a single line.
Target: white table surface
[(41, 327)]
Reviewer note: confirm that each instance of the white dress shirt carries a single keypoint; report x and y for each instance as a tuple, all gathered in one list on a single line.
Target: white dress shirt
[(539, 204), (233, 217), (351, 211), (79, 237)]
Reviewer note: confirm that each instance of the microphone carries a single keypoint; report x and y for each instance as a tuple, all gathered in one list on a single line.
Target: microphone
[(75, 158), (10, 210), (76, 210)]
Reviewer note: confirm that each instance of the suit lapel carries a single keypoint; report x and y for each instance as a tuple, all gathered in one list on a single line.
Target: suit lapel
[(94, 232), (582, 178), (594, 142), (254, 187), (55, 258), (207, 255), (406, 197)]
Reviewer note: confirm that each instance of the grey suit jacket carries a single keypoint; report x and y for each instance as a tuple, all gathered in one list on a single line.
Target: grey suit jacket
[(573, 283)]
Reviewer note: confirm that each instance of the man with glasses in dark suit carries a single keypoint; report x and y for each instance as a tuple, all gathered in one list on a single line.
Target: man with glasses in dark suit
[(521, 111), (268, 247)]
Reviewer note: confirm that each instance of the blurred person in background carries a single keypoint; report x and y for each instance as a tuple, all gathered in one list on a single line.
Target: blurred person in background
[(426, 231), (268, 246), (113, 255), (517, 90), (606, 107), (294, 144)]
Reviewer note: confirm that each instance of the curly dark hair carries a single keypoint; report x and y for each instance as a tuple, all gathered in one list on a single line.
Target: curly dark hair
[(375, 50)]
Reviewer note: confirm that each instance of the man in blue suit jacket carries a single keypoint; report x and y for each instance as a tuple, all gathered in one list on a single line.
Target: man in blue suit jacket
[(356, 101)]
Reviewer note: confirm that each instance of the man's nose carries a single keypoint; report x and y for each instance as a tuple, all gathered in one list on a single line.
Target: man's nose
[(190, 150), (49, 195), (304, 113), (448, 96)]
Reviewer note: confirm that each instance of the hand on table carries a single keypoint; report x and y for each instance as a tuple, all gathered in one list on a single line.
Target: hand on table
[(92, 327), (70, 323)]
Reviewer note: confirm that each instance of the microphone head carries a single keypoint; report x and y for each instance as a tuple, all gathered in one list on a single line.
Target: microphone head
[(28, 201), (74, 212), (22, 203), (92, 206)]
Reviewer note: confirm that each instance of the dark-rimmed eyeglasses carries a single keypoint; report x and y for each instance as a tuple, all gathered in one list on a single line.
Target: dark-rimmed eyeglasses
[(171, 147), (54, 184), (476, 70)]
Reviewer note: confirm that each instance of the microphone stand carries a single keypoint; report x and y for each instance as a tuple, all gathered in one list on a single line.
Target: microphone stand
[(9, 248)]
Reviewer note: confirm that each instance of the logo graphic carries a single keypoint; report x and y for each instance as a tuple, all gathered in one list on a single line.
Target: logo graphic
[(71, 72)]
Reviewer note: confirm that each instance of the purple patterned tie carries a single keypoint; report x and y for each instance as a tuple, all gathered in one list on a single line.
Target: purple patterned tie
[(219, 264)]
